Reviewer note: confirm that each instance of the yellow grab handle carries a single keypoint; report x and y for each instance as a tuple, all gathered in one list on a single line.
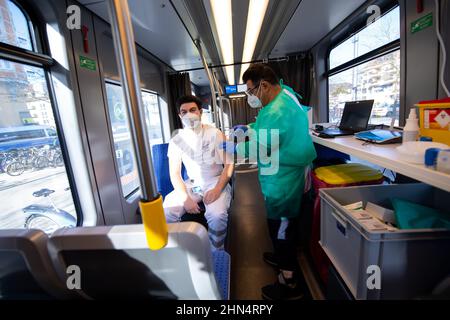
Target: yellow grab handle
[(154, 223)]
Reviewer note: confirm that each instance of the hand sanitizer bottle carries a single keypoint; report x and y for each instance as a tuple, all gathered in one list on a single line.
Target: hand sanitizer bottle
[(411, 130)]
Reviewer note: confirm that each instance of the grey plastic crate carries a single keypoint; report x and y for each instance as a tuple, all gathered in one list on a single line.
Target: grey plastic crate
[(412, 262)]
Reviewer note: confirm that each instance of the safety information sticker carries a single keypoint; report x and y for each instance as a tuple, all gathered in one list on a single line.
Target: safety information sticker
[(438, 119), (87, 63), (422, 23)]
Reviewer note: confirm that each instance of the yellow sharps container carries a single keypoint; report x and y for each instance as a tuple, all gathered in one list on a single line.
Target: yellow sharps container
[(435, 120)]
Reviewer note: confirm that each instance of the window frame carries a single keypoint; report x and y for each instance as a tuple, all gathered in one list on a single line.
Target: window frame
[(372, 55), (107, 81), (110, 81), (159, 110), (386, 49), (40, 58), (30, 27), (37, 56)]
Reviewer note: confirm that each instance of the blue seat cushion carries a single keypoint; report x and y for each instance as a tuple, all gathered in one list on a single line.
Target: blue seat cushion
[(161, 169), (221, 260)]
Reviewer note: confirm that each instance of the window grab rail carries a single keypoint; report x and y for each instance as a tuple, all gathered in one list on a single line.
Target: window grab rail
[(381, 51), (16, 54)]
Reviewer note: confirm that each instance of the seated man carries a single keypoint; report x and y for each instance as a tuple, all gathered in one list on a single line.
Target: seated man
[(209, 170)]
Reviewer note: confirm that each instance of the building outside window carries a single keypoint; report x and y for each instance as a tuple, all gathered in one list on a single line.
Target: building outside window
[(377, 77), (35, 191)]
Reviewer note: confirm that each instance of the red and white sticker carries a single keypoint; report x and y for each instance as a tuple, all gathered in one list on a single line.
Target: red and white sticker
[(438, 119)]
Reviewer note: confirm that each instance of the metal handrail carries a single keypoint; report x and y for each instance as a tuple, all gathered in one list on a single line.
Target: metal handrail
[(127, 62), (230, 117), (211, 82), (223, 99)]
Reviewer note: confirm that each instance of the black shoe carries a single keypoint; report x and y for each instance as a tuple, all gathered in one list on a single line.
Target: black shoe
[(289, 290), (270, 259)]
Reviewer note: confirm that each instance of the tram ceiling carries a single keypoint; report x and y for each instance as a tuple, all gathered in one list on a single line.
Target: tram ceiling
[(167, 28)]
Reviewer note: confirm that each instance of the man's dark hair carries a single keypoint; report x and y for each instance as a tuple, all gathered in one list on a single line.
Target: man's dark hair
[(189, 99), (258, 72)]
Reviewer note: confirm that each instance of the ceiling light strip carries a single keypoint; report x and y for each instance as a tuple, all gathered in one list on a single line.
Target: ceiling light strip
[(256, 12), (221, 10)]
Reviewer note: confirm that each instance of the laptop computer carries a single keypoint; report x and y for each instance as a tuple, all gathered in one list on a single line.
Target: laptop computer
[(355, 118)]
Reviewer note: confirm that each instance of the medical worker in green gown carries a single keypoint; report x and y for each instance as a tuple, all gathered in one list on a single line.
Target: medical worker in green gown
[(281, 142)]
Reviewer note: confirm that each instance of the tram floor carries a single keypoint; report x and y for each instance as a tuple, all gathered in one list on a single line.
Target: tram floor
[(249, 239)]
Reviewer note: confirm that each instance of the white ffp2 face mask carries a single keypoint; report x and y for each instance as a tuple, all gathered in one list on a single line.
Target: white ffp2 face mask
[(254, 102), (191, 121)]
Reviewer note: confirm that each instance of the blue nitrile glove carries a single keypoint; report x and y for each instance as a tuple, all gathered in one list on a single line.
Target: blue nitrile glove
[(240, 127), (228, 146), (238, 132)]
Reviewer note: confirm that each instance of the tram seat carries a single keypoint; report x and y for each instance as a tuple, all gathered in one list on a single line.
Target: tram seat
[(26, 271), (164, 185), (115, 262), (161, 168)]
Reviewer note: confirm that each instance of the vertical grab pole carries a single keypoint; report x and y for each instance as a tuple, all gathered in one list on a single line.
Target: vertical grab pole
[(125, 48), (211, 82), (219, 92), (222, 117), (230, 117)]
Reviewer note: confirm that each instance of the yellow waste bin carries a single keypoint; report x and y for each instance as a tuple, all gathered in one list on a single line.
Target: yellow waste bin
[(435, 120)]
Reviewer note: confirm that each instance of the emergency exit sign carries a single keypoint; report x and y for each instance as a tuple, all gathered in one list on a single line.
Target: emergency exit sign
[(87, 63), (422, 23)]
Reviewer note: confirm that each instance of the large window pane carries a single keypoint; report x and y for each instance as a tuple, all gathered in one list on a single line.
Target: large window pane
[(122, 139), (34, 188), (381, 32), (14, 26), (207, 117), (153, 120), (378, 79), (125, 156)]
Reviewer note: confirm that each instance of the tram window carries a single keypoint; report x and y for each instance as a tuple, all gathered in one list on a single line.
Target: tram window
[(207, 115), (153, 117), (377, 79), (381, 32), (34, 187), (14, 26), (123, 147), (164, 108)]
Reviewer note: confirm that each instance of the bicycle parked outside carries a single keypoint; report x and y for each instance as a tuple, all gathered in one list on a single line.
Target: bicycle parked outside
[(47, 218), (16, 162)]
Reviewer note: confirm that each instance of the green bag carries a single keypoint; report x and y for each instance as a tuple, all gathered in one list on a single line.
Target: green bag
[(410, 215)]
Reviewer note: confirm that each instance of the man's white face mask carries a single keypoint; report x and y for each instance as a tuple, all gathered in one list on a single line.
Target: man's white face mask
[(191, 120), (253, 100)]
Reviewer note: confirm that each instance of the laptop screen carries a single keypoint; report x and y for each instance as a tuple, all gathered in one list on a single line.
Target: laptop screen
[(356, 115)]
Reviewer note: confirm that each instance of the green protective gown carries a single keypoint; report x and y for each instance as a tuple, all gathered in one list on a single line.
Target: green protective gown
[(282, 163)]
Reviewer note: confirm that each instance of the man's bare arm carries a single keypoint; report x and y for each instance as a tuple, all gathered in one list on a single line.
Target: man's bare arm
[(175, 176), (227, 173), (178, 184), (224, 178)]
